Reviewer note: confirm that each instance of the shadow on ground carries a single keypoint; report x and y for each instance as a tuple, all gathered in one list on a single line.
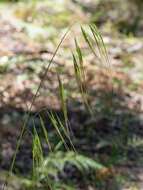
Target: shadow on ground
[(112, 135)]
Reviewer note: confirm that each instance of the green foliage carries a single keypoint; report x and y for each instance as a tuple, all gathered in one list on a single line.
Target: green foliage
[(56, 161)]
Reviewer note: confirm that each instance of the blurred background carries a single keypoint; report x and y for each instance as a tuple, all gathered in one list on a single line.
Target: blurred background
[(103, 148)]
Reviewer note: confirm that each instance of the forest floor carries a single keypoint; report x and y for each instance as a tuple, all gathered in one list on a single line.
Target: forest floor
[(28, 40)]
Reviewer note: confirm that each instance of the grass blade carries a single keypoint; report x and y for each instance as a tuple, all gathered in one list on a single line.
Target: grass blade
[(29, 110), (45, 133), (55, 125)]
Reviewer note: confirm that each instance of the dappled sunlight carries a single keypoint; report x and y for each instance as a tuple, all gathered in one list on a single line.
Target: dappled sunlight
[(71, 95)]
